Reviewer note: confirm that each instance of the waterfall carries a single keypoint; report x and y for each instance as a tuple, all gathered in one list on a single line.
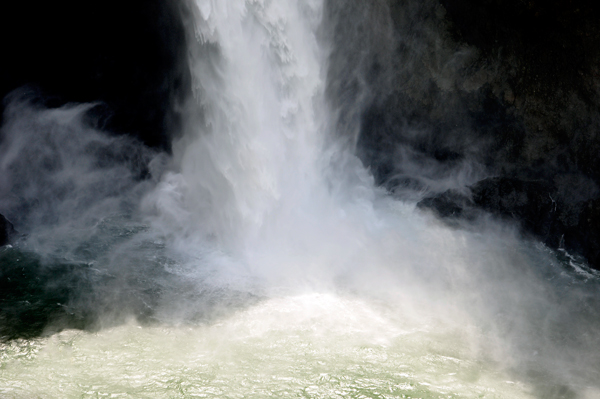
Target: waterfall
[(259, 173), (257, 122)]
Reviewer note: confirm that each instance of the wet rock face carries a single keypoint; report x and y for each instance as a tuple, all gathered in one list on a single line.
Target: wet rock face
[(129, 55), (546, 57), (6, 230), (503, 88), (561, 218), (530, 202), (511, 85)]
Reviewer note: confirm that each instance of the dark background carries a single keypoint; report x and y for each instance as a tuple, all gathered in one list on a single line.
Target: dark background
[(128, 55)]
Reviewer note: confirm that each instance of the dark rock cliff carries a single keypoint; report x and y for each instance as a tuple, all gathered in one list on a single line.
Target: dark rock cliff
[(6, 230), (499, 97)]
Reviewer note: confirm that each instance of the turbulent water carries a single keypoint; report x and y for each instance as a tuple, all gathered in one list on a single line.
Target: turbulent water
[(260, 259)]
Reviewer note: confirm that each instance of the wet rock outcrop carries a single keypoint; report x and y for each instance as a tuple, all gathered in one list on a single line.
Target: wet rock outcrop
[(559, 216), (6, 230), (541, 63), (502, 88)]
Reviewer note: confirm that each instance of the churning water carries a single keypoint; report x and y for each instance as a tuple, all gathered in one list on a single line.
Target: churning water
[(261, 260)]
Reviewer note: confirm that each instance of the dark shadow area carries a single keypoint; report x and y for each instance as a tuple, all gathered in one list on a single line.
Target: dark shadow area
[(129, 55)]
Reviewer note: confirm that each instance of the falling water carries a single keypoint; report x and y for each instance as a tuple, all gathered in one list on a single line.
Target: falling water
[(261, 259)]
